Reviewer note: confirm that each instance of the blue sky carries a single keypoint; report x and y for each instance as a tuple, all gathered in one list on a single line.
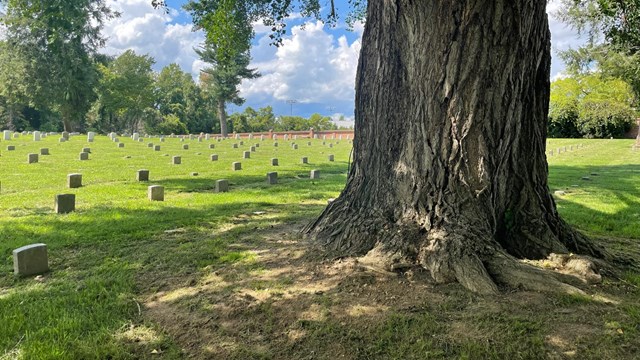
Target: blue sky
[(315, 67)]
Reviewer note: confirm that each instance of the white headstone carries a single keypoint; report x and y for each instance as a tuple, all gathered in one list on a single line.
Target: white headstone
[(135, 136), (36, 136), (6, 135), (90, 136)]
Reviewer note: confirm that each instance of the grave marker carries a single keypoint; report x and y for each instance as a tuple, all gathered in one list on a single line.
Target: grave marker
[(74, 181), (84, 156), (272, 178), (156, 193), (65, 203), (330, 157), (236, 166), (305, 160), (246, 155), (177, 160), (274, 162), (214, 157), (315, 174), (142, 175), (44, 151), (222, 185), (30, 260), (32, 158)]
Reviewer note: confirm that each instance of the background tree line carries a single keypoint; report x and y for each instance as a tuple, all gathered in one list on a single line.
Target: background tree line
[(52, 76)]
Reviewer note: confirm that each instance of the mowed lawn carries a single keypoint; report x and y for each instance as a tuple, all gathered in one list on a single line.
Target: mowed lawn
[(218, 275)]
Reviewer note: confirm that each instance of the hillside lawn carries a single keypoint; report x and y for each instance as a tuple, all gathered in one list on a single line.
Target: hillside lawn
[(209, 275)]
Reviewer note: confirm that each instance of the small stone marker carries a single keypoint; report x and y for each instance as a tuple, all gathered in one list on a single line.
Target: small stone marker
[(241, 143), (309, 143), (586, 178), (246, 155), (235, 146), (275, 144), (177, 160), (214, 157), (194, 174), (156, 193), (120, 145), (559, 193), (135, 136), (156, 148), (84, 156), (36, 136), (330, 145), (236, 166), (11, 148), (116, 140), (86, 150), (44, 151), (331, 157), (274, 162), (61, 140), (6, 135), (65, 135), (272, 178), (32, 158), (65, 203), (185, 147), (253, 149), (212, 146), (150, 145), (30, 260), (257, 145), (222, 185), (315, 174), (90, 136), (295, 146), (74, 181), (142, 175), (305, 160)]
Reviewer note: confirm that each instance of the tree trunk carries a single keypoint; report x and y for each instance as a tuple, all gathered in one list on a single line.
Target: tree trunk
[(449, 167), (222, 115), (66, 120)]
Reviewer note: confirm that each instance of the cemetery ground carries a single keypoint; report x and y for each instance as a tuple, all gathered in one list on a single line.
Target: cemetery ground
[(210, 275)]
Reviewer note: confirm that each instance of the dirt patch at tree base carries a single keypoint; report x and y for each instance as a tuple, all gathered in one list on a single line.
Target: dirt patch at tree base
[(285, 302)]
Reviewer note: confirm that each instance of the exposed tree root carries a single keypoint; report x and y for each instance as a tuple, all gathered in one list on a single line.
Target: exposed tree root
[(453, 253)]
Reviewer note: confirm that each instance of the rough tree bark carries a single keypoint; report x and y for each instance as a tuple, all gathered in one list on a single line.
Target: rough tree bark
[(449, 167), (222, 115)]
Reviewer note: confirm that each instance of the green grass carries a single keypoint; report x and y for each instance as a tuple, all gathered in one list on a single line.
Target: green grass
[(118, 248)]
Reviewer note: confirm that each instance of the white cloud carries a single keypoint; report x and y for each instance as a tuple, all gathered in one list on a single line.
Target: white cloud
[(311, 66), (562, 38), (152, 31)]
